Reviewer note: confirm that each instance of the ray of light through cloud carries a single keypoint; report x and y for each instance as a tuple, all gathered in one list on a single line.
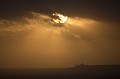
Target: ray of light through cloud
[(50, 42)]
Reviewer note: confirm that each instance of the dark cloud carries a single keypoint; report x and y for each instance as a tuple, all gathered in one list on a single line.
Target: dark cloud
[(104, 10)]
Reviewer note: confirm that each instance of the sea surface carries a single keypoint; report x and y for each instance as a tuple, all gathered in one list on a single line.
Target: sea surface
[(84, 72)]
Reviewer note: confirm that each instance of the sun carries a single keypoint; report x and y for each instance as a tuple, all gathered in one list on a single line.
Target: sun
[(59, 18)]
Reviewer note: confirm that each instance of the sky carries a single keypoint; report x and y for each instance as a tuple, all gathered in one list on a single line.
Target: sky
[(29, 38)]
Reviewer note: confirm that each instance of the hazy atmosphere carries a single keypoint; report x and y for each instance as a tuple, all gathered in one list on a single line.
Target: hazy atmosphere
[(31, 38)]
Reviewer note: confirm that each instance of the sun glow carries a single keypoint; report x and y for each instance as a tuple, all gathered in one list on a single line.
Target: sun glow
[(59, 18)]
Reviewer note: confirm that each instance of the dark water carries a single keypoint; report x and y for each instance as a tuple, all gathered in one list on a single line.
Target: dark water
[(89, 72)]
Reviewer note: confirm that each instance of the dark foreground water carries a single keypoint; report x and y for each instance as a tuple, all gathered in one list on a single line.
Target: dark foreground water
[(84, 72)]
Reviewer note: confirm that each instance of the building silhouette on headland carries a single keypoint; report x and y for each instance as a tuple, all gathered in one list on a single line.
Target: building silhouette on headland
[(82, 65)]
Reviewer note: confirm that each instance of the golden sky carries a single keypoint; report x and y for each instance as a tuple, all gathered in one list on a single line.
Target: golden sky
[(37, 41)]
